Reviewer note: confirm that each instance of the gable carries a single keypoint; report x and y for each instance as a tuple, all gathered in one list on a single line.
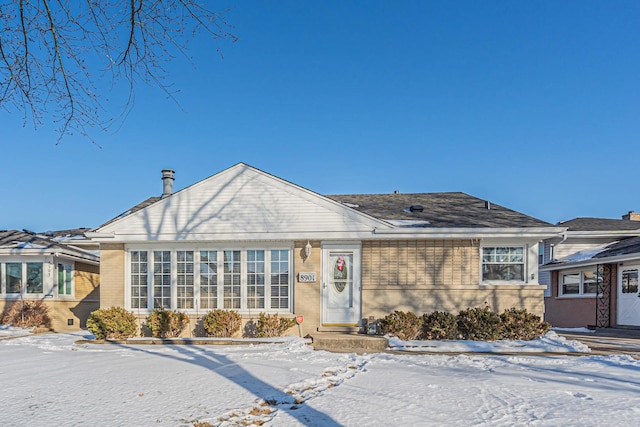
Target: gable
[(244, 203)]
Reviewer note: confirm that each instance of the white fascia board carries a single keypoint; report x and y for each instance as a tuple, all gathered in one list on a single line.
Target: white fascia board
[(475, 233), (590, 262), (78, 255), (95, 236)]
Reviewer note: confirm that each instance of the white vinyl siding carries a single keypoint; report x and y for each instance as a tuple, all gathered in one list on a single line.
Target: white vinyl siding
[(283, 207)]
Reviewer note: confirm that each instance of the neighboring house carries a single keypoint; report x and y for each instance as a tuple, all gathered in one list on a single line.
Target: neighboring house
[(249, 241), (592, 273), (48, 267)]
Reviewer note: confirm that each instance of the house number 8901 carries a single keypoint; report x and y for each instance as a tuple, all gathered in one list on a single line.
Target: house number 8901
[(307, 277)]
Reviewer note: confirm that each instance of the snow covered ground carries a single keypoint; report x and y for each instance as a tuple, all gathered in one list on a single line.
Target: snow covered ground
[(49, 380)]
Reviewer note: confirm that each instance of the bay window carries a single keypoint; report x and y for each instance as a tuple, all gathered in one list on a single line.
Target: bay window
[(206, 279)]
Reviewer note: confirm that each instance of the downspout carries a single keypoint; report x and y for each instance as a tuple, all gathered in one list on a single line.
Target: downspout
[(551, 249)]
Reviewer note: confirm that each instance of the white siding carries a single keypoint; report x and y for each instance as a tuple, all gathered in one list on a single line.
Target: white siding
[(241, 200)]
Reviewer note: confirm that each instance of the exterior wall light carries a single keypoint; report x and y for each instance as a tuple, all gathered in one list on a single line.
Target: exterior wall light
[(307, 250)]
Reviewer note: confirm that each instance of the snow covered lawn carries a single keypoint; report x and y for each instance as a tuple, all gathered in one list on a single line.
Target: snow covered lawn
[(48, 380)]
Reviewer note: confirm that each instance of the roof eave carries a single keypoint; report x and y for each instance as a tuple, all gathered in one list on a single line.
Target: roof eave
[(590, 262)]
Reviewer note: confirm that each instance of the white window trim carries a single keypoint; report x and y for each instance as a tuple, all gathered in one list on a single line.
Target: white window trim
[(220, 248), (580, 294), (525, 264), (24, 260)]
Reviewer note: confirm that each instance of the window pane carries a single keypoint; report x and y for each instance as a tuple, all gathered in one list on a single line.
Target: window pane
[(14, 277), (571, 283), (139, 279), (255, 279), (231, 290), (185, 278), (162, 279), (65, 275), (34, 277), (589, 282), (280, 279), (208, 279), (503, 263), (630, 281)]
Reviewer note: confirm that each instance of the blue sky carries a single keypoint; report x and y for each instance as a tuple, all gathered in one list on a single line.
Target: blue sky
[(532, 105)]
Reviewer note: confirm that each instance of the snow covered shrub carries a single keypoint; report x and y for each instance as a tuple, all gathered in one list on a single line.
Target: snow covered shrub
[(112, 323), (167, 323), (406, 326), (271, 325), (439, 325), (222, 323), (27, 314), (518, 324), (479, 324)]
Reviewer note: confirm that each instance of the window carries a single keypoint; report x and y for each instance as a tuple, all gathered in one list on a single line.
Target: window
[(185, 277), (139, 273), (65, 279), (579, 282), (14, 277), (540, 253), (208, 279), (231, 279), (255, 279), (630, 281), (503, 263), (161, 279), (236, 279), (24, 277), (279, 279)]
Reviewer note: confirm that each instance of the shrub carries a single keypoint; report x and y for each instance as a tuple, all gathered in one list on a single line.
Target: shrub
[(222, 323), (167, 323), (35, 314), (439, 325), (406, 326), (112, 323), (271, 325), (479, 324), (518, 324)]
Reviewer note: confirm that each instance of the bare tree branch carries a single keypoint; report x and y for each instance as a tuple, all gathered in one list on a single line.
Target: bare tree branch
[(59, 58)]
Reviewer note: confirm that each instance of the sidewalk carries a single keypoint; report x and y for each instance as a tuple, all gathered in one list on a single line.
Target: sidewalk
[(608, 341)]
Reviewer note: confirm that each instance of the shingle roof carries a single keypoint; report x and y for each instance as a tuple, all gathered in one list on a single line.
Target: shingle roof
[(623, 247), (453, 209), (139, 206), (13, 238), (600, 224)]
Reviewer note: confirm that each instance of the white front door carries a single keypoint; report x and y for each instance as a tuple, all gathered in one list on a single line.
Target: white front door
[(341, 286), (628, 296)]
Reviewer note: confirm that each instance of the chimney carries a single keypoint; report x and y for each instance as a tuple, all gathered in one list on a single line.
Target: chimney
[(167, 182), (632, 216)]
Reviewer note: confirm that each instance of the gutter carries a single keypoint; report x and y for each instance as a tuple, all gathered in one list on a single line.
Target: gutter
[(591, 261)]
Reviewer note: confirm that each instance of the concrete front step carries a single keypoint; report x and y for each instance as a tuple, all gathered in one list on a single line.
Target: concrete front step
[(357, 343)]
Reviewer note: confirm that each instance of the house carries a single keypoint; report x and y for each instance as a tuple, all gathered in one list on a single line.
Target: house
[(592, 273), (246, 240), (49, 267)]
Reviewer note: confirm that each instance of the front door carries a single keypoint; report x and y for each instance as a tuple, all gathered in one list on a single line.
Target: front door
[(628, 296), (341, 286)]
